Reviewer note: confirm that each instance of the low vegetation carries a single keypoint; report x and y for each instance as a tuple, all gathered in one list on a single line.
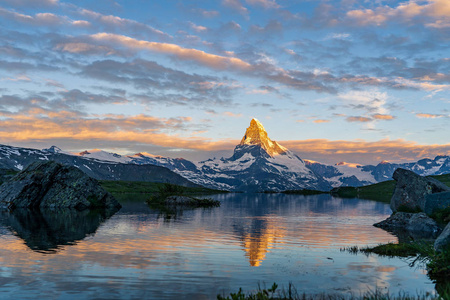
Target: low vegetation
[(6, 174), (291, 293), (167, 190), (304, 192), (381, 191), (141, 187), (155, 194), (442, 216)]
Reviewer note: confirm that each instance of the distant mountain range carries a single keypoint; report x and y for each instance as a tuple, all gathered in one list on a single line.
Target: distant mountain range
[(19, 158), (257, 164)]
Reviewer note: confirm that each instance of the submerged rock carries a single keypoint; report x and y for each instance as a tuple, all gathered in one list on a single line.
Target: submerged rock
[(418, 225), (411, 189), (52, 185)]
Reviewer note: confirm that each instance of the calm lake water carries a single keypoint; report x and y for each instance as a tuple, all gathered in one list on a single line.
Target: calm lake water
[(141, 253)]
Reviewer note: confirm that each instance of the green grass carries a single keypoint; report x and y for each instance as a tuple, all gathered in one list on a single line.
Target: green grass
[(390, 250), (141, 187), (442, 216), (6, 174), (165, 190), (345, 192), (291, 293), (381, 191), (443, 178)]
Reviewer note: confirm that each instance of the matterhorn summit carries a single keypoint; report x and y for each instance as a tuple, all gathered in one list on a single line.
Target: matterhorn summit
[(260, 164), (257, 135)]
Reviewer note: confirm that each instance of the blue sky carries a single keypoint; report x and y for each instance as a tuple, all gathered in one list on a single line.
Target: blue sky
[(360, 81)]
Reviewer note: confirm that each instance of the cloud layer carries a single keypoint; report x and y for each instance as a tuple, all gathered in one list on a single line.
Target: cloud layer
[(189, 77)]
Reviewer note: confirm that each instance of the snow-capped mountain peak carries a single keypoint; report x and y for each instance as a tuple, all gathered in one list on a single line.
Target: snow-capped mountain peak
[(53, 149), (145, 154), (257, 135), (105, 156)]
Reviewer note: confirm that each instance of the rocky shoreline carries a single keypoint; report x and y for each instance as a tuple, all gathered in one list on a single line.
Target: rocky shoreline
[(414, 203)]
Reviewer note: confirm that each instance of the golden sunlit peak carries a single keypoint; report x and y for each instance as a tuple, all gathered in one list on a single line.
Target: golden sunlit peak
[(256, 135)]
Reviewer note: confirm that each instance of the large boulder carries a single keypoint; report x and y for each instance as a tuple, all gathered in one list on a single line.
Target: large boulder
[(52, 185), (443, 240), (411, 189), (417, 225)]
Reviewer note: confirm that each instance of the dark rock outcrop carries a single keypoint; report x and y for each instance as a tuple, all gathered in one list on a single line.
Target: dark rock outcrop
[(52, 185), (411, 189), (443, 240), (417, 224)]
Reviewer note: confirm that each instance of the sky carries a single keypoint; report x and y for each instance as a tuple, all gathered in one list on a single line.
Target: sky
[(332, 80)]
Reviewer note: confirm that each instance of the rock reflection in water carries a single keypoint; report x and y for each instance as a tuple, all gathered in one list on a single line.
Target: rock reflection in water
[(46, 230)]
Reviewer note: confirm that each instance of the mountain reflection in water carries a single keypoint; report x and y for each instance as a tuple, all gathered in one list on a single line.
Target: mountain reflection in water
[(196, 254)]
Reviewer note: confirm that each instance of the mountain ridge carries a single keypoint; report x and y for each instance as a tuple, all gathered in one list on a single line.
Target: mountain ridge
[(257, 164)]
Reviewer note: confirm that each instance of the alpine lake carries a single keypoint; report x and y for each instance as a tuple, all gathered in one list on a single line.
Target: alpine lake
[(251, 240)]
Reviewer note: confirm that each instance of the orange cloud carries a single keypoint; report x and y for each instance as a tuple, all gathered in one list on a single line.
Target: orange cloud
[(207, 59), (358, 119), (39, 126), (363, 151), (321, 121), (383, 117), (429, 116), (230, 114)]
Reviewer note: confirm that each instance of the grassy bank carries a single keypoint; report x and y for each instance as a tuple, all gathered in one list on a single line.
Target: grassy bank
[(379, 191), (180, 197), (304, 192), (140, 187)]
